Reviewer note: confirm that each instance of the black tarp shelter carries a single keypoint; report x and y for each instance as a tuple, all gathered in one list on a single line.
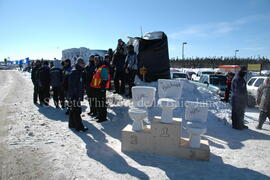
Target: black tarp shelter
[(153, 54)]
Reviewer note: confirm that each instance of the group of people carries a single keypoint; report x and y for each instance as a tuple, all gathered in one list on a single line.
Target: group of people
[(239, 97), (125, 65), (69, 82)]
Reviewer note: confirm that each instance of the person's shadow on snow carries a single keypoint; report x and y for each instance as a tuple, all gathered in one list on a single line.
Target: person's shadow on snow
[(53, 113), (98, 150), (233, 138), (56, 114), (117, 122), (176, 168)]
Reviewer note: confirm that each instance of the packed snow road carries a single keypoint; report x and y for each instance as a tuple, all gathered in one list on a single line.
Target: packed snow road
[(37, 144), (21, 161)]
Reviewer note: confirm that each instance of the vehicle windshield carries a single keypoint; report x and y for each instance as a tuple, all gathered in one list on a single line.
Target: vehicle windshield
[(190, 73), (259, 82), (218, 80), (208, 72), (179, 75)]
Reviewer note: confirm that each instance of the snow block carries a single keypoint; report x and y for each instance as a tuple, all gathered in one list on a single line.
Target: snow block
[(137, 141), (186, 152), (166, 136), (163, 139), (164, 130)]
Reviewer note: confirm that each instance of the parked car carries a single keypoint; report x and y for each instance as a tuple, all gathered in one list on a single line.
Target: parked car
[(265, 72), (6, 67), (214, 82), (196, 77), (252, 87), (175, 75), (3, 66), (189, 74)]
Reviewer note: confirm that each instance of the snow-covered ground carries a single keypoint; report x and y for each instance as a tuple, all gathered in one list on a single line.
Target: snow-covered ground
[(41, 146)]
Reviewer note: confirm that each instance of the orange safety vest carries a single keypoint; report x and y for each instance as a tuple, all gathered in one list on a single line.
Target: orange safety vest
[(96, 80)]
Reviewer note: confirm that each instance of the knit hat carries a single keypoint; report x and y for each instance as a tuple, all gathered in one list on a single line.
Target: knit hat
[(68, 61), (97, 57), (80, 60)]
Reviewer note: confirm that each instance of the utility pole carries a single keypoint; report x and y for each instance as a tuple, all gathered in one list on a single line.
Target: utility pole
[(183, 54), (236, 51)]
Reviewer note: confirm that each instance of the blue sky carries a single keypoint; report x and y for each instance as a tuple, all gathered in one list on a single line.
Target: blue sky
[(42, 28)]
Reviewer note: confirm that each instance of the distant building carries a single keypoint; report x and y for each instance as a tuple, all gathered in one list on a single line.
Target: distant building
[(74, 53)]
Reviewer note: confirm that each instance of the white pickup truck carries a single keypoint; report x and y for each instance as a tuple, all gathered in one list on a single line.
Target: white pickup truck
[(196, 77), (252, 87)]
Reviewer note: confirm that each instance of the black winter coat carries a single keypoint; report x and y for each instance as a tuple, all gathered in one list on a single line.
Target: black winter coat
[(239, 92), (119, 61), (43, 76), (75, 83), (56, 77), (34, 75), (88, 74), (66, 74), (239, 87)]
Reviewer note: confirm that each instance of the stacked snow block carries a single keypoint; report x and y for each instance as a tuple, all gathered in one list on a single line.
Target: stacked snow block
[(163, 139)]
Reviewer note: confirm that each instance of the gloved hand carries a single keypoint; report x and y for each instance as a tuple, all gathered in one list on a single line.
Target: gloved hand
[(103, 84)]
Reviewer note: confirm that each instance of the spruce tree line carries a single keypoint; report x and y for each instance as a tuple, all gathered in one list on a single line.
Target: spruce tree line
[(214, 62)]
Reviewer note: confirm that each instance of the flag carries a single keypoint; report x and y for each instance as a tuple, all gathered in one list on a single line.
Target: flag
[(27, 60)]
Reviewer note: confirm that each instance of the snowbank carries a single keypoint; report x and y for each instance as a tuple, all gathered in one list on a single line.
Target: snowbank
[(192, 92)]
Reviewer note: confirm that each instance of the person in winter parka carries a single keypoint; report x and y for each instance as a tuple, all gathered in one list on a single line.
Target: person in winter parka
[(66, 73), (101, 82), (35, 80), (131, 67), (56, 83), (228, 86), (43, 75), (263, 100), (76, 92), (118, 62), (87, 78), (239, 99)]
